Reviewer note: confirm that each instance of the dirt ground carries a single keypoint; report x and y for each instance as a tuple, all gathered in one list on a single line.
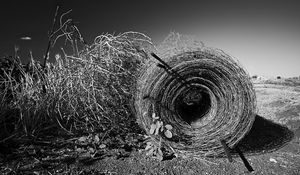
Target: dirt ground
[(271, 147), (275, 103)]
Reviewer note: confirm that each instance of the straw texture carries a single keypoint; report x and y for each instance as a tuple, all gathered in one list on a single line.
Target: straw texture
[(217, 103)]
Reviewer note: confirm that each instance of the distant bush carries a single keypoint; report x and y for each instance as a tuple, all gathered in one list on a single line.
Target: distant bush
[(254, 76)]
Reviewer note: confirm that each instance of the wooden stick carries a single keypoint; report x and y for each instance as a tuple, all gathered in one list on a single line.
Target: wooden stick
[(169, 70), (48, 49), (245, 161), (49, 38), (227, 150)]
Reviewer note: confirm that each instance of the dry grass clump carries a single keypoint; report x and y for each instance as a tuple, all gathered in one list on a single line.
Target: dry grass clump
[(21, 98), (97, 85), (86, 91), (216, 102), (176, 43)]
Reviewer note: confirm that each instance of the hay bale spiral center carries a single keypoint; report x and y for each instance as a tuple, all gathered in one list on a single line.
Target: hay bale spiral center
[(217, 104), (193, 105)]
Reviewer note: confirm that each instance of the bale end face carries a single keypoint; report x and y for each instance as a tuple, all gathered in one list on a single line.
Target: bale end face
[(215, 101)]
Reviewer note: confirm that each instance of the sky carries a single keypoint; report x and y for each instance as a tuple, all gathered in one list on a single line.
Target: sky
[(263, 35)]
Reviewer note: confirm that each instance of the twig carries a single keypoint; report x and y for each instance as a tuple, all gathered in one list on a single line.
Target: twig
[(169, 70), (48, 48), (245, 161), (7, 138), (227, 150), (49, 38)]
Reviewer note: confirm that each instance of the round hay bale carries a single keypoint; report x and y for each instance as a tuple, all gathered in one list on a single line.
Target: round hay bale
[(217, 103)]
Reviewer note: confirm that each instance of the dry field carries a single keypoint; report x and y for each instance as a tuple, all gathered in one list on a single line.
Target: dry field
[(82, 125), (267, 151), (272, 146)]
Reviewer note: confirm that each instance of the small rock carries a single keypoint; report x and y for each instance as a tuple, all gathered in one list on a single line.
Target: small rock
[(91, 150), (80, 150), (96, 139), (273, 160), (82, 139), (102, 146)]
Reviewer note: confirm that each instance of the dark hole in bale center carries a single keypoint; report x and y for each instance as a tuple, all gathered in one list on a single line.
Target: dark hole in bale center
[(193, 105)]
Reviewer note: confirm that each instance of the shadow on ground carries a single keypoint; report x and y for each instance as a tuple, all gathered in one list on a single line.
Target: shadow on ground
[(265, 136)]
